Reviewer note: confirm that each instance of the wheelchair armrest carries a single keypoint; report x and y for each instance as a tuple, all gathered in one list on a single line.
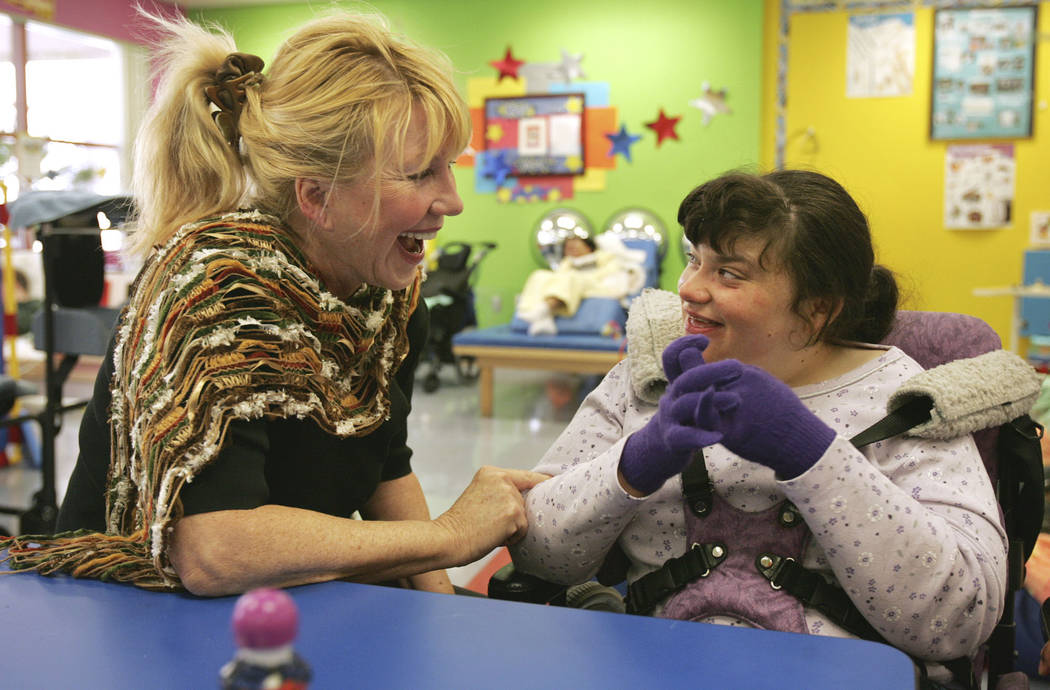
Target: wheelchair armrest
[(510, 584)]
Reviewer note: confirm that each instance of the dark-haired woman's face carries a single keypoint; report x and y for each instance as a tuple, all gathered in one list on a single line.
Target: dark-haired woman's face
[(743, 308)]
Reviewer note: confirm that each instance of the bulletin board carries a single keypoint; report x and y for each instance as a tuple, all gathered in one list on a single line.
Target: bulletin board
[(983, 67), (537, 135)]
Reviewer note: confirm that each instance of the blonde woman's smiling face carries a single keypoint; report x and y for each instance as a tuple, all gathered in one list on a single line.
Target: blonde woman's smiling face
[(379, 223)]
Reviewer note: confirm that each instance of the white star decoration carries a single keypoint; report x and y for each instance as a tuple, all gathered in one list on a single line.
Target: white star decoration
[(711, 103), (570, 66)]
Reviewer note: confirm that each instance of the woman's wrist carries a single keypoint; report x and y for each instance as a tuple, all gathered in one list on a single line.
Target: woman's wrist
[(450, 548), (626, 486)]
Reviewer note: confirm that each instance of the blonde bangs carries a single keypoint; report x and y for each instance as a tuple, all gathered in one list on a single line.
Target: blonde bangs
[(446, 117), (448, 123)]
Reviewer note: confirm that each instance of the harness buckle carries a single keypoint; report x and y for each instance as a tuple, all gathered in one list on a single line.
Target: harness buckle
[(695, 564), (698, 547), (683, 569), (771, 566), (789, 515)]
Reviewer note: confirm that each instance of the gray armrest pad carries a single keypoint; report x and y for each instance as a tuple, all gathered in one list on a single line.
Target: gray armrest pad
[(971, 394)]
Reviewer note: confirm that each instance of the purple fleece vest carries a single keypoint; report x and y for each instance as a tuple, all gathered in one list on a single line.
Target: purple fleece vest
[(735, 587)]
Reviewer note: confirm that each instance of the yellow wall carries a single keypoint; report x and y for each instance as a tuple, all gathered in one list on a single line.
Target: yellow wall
[(879, 149)]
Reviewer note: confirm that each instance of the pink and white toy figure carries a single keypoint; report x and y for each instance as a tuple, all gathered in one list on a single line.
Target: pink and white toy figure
[(265, 623)]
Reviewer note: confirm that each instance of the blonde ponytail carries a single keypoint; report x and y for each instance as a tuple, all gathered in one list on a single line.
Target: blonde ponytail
[(184, 169)]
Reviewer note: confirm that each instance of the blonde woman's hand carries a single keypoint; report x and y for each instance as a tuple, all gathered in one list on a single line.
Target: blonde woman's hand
[(489, 513)]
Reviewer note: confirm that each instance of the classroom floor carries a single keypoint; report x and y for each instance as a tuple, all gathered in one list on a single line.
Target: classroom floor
[(449, 437)]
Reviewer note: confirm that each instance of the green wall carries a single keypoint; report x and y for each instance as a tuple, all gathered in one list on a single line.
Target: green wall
[(653, 55)]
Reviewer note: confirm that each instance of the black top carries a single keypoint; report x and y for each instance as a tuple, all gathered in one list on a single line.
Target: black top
[(290, 462)]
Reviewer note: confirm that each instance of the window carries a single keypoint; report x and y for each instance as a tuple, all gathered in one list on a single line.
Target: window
[(62, 109)]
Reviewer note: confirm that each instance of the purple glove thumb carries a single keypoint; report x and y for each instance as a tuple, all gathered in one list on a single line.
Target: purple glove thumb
[(683, 353)]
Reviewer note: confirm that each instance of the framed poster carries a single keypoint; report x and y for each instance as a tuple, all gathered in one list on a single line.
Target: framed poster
[(983, 73), (536, 135)]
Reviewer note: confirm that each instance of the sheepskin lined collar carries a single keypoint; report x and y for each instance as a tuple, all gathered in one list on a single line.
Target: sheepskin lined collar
[(653, 323)]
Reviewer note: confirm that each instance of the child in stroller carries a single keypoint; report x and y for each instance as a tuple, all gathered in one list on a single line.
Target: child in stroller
[(449, 293)]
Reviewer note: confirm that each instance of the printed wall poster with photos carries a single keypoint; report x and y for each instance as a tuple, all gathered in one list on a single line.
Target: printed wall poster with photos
[(978, 186), (983, 66)]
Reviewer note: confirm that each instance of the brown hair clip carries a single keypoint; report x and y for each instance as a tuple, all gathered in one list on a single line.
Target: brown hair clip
[(238, 71)]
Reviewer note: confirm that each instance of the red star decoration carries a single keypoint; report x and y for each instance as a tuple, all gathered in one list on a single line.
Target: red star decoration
[(508, 66), (664, 127)]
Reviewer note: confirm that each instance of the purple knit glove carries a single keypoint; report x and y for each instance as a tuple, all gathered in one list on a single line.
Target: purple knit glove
[(758, 416), (664, 446)]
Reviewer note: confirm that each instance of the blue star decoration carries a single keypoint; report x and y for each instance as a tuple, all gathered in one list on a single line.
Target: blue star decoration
[(496, 166), (621, 143)]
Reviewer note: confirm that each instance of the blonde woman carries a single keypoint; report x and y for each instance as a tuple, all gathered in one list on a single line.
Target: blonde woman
[(258, 385)]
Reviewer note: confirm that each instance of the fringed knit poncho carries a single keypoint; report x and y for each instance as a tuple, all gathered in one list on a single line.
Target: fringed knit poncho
[(225, 322)]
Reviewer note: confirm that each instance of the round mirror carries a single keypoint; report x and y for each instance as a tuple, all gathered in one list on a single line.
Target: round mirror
[(638, 223), (553, 229)]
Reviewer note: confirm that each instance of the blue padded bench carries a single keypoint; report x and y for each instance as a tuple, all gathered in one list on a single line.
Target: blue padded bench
[(594, 315), (501, 346), (578, 348)]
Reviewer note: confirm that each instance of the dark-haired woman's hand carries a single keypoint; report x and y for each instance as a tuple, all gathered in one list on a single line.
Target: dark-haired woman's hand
[(757, 416), (664, 446)]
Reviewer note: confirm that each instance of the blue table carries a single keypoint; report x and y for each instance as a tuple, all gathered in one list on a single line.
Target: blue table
[(67, 633)]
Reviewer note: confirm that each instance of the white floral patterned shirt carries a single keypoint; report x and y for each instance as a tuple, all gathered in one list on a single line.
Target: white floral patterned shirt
[(908, 527)]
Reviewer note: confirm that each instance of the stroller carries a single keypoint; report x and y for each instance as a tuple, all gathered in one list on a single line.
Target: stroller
[(449, 293)]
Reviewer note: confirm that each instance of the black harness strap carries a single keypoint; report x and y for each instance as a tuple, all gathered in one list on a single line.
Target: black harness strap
[(697, 488), (814, 591), (644, 593), (908, 416)]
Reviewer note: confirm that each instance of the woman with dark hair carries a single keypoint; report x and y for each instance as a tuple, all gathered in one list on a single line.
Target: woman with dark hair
[(766, 360)]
